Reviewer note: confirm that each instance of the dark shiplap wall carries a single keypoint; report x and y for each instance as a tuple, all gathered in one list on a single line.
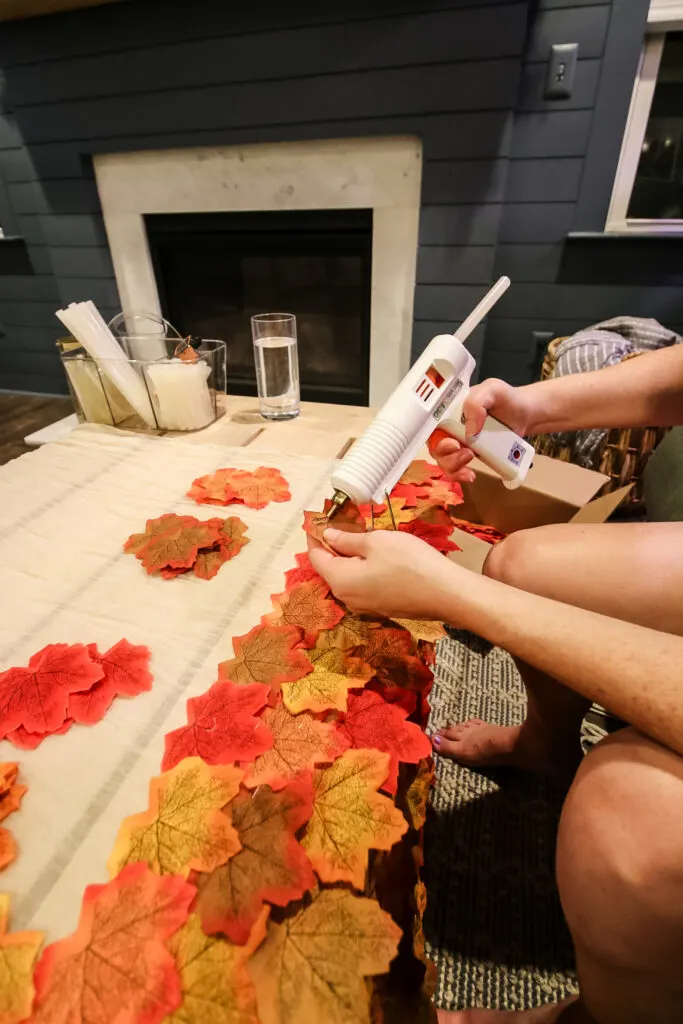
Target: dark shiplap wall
[(149, 74), (506, 174)]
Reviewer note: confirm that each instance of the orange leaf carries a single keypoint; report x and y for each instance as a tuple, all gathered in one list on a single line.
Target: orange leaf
[(18, 953), (307, 607), (379, 517), (184, 827), (271, 866), (11, 792), (373, 724), (216, 985), (254, 488), (423, 629), (8, 848), (417, 794), (116, 967), (231, 533), (299, 743), (303, 572), (311, 968), (352, 631), (267, 654), (334, 674), (350, 817), (421, 472), (348, 518)]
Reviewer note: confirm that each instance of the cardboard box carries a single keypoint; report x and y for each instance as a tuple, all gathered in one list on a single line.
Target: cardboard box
[(553, 492)]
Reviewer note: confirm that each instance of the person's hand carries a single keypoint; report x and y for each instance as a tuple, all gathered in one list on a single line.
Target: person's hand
[(385, 572), (512, 406)]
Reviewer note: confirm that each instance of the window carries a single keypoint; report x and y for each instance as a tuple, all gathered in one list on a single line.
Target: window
[(648, 190)]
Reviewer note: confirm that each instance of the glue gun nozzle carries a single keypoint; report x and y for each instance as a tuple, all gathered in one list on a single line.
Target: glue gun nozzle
[(339, 499)]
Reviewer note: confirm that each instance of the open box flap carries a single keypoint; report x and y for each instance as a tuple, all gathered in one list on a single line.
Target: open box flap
[(600, 509), (563, 481), (473, 550)]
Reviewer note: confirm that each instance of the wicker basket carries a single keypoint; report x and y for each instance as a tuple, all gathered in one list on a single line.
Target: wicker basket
[(624, 455)]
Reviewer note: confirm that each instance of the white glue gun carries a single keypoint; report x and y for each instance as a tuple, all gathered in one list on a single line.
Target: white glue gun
[(431, 395)]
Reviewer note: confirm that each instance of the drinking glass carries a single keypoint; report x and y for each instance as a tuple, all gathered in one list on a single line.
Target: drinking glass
[(277, 365)]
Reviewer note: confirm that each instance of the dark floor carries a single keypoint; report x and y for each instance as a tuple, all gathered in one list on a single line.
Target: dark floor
[(21, 415)]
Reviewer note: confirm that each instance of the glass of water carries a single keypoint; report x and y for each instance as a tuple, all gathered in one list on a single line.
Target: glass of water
[(277, 365)]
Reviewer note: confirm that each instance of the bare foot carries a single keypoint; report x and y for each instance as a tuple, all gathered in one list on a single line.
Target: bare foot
[(479, 744), (568, 1012)]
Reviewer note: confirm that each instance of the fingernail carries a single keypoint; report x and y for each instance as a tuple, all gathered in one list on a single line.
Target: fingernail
[(437, 740)]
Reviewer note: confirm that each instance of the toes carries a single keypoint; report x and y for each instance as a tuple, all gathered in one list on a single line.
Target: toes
[(454, 732), (447, 748)]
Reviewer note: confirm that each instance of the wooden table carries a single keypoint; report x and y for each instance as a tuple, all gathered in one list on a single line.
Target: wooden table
[(322, 429)]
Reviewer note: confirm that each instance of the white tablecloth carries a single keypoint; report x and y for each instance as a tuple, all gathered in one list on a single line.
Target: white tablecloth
[(65, 512)]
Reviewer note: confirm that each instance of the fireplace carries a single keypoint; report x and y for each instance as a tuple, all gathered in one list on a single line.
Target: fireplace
[(347, 184), (215, 270)]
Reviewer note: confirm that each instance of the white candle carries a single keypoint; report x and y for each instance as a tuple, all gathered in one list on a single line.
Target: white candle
[(181, 393)]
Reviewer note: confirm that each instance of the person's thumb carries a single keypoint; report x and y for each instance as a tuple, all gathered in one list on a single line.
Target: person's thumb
[(346, 543)]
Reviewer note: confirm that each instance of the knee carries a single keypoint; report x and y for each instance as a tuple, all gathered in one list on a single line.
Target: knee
[(509, 560), (620, 850)]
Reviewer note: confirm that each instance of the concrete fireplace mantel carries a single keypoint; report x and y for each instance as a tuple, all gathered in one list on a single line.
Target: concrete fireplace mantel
[(382, 174)]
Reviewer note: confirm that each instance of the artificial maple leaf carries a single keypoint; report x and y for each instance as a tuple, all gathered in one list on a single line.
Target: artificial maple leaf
[(184, 827), (26, 740), (389, 652), (409, 700), (423, 629), (299, 743), (421, 472), (222, 727), (153, 528), (216, 985), (307, 607), (487, 533), (417, 794), (116, 967), (379, 517), (231, 533), (271, 866), (347, 518), (311, 967), (126, 673), (18, 954), (8, 848), (438, 537), (303, 573), (177, 546), (334, 674), (213, 488), (352, 631), (350, 817), (254, 488), (267, 654), (444, 492), (373, 724), (11, 792), (37, 697)]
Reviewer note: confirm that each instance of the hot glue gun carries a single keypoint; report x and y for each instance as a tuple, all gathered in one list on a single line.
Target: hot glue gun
[(431, 395)]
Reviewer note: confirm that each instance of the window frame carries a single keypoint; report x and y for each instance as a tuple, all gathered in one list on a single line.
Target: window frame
[(663, 16)]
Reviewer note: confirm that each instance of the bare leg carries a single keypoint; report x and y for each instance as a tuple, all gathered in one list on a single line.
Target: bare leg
[(620, 876), (631, 571)]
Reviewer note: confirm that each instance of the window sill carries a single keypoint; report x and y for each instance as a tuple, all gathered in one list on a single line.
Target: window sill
[(632, 236)]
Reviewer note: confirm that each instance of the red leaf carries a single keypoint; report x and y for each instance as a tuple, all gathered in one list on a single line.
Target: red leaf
[(30, 740), (307, 607), (421, 472), (438, 537), (126, 673), (303, 573), (116, 967), (409, 493), (271, 866), (222, 727), (370, 722), (253, 488), (37, 697), (267, 654)]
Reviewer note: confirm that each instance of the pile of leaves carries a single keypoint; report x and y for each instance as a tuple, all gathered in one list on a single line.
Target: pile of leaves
[(275, 876), (173, 545), (67, 683), (11, 795), (253, 488)]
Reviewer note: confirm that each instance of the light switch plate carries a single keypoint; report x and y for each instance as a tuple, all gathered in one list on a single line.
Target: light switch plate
[(559, 83)]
